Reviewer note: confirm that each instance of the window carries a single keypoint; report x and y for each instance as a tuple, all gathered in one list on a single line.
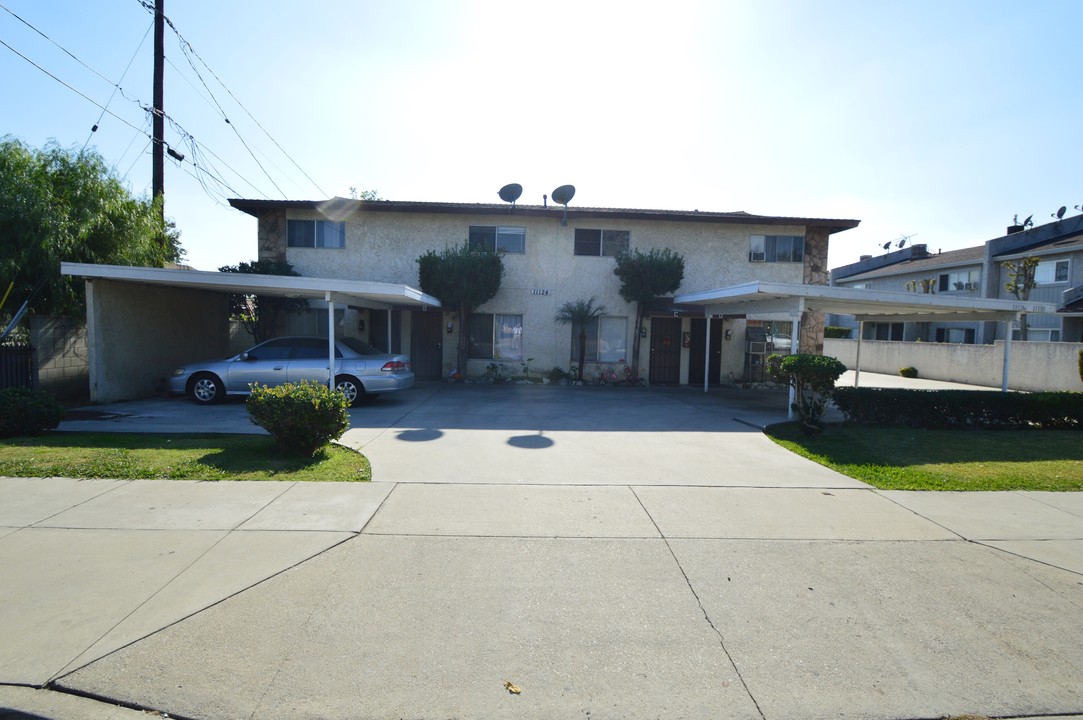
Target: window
[(601, 243), (776, 248), (960, 280), (955, 335), (311, 349), (607, 340), (862, 286), (496, 337), (315, 234), (498, 239), (883, 331), (1051, 271)]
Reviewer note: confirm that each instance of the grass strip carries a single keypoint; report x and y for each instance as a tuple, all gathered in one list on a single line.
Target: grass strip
[(132, 456), (901, 458)]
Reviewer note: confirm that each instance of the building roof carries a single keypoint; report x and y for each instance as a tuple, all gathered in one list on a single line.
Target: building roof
[(765, 297), (347, 292), (338, 208), (925, 263)]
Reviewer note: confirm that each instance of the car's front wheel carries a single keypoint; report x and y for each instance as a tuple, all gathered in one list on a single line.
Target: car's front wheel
[(206, 389), (351, 388)]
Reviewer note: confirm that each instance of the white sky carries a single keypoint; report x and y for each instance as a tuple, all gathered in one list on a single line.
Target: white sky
[(940, 119)]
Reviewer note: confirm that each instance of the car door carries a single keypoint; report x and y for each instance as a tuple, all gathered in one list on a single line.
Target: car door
[(309, 360), (264, 364)]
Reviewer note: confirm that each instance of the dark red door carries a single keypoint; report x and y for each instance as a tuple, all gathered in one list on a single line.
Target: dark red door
[(665, 351), (427, 344)]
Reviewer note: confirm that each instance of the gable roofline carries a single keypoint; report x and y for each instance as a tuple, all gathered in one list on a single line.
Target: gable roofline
[(963, 257), (339, 208)]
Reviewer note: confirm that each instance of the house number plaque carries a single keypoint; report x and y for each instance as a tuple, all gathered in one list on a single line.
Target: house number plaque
[(539, 291)]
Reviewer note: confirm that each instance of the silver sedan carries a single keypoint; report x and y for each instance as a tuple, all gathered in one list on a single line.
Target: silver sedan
[(360, 369)]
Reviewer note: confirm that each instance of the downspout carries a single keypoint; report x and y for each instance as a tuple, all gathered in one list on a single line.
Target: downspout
[(330, 341)]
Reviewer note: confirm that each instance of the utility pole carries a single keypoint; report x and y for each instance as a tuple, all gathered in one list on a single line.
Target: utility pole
[(158, 151)]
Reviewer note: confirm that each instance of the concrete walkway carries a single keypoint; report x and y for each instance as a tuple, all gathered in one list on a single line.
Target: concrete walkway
[(723, 578)]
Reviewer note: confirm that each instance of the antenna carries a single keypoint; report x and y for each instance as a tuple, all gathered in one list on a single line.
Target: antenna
[(564, 195), (510, 193), (1059, 214)]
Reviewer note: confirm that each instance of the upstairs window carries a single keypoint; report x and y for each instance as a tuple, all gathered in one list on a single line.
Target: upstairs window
[(1051, 271), (315, 234), (601, 243), (960, 281), (776, 248), (498, 239)]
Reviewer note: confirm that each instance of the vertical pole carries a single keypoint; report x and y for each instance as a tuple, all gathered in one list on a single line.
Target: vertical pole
[(330, 341), (1007, 355), (795, 345), (158, 115), (857, 360), (389, 350), (707, 354)]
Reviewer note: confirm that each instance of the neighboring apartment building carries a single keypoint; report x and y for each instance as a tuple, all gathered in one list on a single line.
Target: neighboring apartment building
[(551, 255), (980, 272)]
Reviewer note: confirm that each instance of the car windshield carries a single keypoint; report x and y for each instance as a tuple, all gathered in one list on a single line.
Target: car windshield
[(360, 347)]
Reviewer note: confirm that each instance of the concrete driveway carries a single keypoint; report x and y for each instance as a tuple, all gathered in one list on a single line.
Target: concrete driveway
[(614, 554)]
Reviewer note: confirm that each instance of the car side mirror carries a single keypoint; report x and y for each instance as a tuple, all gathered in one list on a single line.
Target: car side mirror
[(244, 357)]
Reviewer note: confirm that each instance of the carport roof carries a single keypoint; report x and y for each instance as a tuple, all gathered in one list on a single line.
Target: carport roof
[(875, 305), (347, 292)]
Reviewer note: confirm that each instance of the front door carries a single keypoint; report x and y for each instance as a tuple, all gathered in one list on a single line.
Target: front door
[(695, 352), (427, 344), (665, 351)]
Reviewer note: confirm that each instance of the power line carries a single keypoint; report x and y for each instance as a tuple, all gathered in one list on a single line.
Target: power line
[(116, 85), (186, 47)]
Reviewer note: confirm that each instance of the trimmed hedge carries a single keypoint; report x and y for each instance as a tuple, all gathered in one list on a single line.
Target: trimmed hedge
[(27, 412), (961, 408), (836, 331), (302, 417)]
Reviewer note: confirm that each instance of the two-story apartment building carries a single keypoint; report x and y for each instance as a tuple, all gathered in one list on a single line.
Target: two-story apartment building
[(980, 272), (551, 255)]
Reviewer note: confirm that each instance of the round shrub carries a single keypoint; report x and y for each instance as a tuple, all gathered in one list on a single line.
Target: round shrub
[(908, 372), (27, 412), (302, 417)]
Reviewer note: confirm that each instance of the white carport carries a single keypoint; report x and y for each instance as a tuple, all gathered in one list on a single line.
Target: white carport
[(866, 305), (143, 322)]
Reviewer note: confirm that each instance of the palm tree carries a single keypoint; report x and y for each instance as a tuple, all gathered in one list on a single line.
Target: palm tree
[(579, 314)]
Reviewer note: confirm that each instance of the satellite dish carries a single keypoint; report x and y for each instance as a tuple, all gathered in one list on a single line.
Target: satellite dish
[(886, 245), (510, 193), (1060, 213), (1029, 222), (564, 194), (901, 243)]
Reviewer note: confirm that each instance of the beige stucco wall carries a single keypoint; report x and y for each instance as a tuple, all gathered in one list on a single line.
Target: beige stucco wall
[(137, 335), (1035, 366), (384, 247)]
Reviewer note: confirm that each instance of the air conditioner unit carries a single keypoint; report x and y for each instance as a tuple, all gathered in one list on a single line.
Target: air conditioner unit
[(757, 257)]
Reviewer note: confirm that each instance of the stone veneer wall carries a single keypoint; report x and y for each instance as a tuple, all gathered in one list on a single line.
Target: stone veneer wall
[(811, 338), (60, 353), (271, 235)]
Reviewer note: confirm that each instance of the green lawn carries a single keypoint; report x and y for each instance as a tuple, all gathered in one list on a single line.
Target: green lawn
[(899, 458), (127, 456)]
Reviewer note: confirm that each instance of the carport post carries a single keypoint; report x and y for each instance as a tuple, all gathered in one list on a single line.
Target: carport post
[(389, 331), (1007, 355), (857, 358), (330, 341), (707, 351)]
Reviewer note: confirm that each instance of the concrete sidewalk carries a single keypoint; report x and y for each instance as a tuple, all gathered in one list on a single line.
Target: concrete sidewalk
[(712, 602)]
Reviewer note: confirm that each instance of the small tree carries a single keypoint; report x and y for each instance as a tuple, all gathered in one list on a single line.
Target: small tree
[(1021, 280), (644, 277), (578, 314), (260, 314), (461, 278), (812, 378)]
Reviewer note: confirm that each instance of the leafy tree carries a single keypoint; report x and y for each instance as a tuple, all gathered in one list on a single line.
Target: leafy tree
[(812, 378), (356, 194), (1021, 281), (578, 314), (261, 314), (644, 277), (62, 204), (461, 278)]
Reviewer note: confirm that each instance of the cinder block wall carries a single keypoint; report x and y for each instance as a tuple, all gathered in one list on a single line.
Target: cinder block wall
[(60, 349)]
